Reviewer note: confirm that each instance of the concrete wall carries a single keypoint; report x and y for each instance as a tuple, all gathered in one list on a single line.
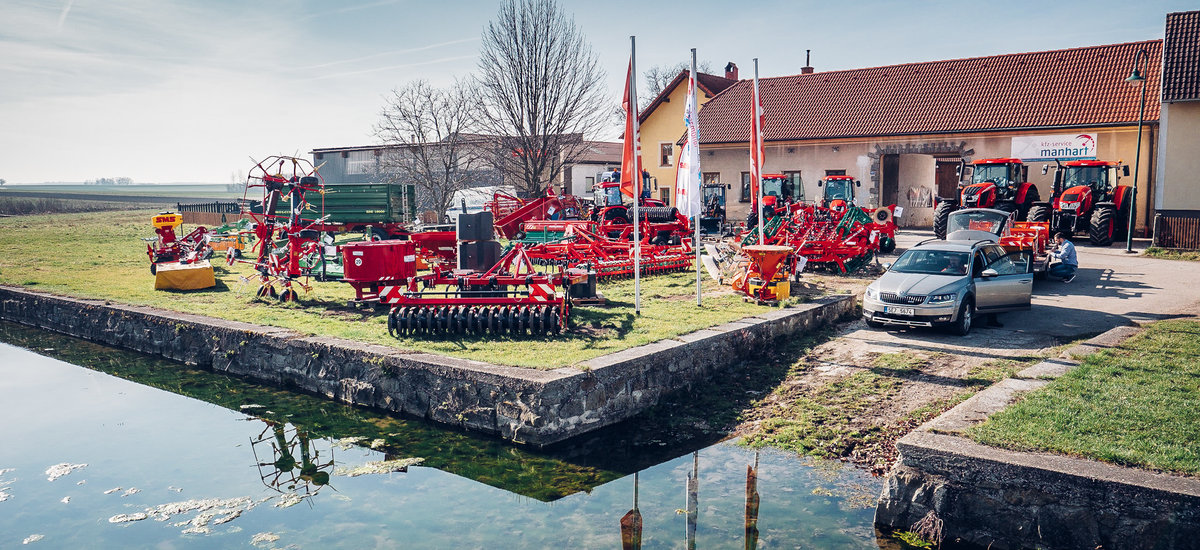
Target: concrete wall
[(1178, 179), (522, 405)]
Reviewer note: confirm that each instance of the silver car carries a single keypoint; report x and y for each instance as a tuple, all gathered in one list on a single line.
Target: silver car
[(946, 283)]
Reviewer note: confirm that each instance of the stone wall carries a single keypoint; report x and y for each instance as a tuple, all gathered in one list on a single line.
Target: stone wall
[(1002, 499), (523, 405)]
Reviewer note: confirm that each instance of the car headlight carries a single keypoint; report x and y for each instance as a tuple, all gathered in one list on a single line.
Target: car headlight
[(942, 298), (872, 293)]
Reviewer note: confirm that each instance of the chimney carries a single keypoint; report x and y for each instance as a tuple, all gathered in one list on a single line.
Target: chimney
[(807, 68), (731, 71)]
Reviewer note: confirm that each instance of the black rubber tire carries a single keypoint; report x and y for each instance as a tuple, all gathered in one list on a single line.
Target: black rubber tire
[(1031, 199), (1121, 223), (941, 217), (887, 245), (1101, 231), (1039, 213), (966, 317), (1007, 206), (154, 269)]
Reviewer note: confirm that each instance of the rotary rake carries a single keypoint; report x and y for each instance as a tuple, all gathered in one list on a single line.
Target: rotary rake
[(840, 241), (610, 258), (283, 179), (511, 298)]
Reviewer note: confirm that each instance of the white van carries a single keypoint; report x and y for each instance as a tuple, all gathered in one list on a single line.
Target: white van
[(472, 199)]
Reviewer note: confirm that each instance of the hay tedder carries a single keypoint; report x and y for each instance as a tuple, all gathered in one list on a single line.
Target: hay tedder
[(285, 233)]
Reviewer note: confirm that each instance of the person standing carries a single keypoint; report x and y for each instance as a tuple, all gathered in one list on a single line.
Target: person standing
[(1068, 262)]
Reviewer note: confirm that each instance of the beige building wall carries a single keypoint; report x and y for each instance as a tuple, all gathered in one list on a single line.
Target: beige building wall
[(1178, 181), (665, 126), (917, 164)]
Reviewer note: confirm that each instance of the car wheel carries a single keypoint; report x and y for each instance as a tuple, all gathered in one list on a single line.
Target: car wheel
[(966, 314)]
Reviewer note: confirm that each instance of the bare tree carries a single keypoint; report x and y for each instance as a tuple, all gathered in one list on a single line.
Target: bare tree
[(542, 90), (429, 144), (659, 76)]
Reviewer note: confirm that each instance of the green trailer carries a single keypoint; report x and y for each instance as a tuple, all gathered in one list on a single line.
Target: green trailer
[(387, 208)]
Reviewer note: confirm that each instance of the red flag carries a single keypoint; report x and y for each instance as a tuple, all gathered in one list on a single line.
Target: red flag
[(756, 143), (631, 153)]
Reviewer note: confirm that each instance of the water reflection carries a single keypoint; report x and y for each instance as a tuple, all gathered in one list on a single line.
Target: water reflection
[(284, 474), (479, 493)]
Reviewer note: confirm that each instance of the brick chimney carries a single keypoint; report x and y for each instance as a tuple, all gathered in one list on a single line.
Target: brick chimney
[(731, 71), (807, 68)]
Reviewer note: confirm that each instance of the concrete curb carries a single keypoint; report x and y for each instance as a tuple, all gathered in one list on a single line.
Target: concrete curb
[(1006, 499), (534, 407)]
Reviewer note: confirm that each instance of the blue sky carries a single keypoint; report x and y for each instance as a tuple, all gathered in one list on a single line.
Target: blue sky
[(170, 91)]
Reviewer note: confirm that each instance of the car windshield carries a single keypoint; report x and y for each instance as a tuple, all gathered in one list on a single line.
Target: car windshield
[(838, 189), (976, 220), (1095, 177), (997, 173), (932, 262)]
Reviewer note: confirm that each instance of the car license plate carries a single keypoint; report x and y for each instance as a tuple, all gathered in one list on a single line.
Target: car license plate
[(900, 310)]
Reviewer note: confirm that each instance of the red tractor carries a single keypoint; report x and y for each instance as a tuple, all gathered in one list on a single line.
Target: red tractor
[(662, 224), (1001, 184), (778, 193), (1088, 197)]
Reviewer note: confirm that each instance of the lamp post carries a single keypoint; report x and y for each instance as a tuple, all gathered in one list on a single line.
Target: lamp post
[(1136, 78)]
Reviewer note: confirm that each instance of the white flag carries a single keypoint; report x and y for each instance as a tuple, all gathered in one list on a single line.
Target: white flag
[(687, 170)]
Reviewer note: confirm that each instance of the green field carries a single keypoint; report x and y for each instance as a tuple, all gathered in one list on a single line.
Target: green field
[(1134, 404), (101, 255), (213, 190)]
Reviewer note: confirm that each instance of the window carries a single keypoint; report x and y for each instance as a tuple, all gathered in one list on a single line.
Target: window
[(360, 162), (665, 153), (835, 172), (797, 182), (589, 183), (745, 188), (711, 177)]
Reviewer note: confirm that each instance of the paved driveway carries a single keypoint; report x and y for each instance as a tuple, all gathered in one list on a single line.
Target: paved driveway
[(1111, 288)]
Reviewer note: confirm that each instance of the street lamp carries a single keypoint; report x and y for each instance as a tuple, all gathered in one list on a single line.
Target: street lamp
[(1136, 78)]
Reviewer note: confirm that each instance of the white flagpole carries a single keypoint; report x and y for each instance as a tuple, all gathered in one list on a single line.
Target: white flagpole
[(757, 154), (699, 187), (637, 181)]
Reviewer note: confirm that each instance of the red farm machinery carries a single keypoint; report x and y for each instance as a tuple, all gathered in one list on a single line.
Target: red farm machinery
[(1000, 183), (179, 263), (1088, 197)]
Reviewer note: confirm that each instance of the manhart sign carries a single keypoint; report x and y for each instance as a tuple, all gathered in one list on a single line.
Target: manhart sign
[(1061, 147)]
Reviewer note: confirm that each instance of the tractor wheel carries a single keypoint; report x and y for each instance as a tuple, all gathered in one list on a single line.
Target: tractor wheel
[(1101, 232), (887, 245), (966, 314), (1121, 223), (1007, 206), (941, 216), (1039, 213), (1031, 199), (375, 234)]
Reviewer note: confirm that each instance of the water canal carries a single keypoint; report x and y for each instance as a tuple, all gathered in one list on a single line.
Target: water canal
[(104, 448)]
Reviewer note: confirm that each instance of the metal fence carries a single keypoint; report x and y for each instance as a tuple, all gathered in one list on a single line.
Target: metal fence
[(1177, 231), (210, 213)]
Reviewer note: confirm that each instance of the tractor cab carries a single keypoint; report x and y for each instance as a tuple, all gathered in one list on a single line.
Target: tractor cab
[(994, 180), (712, 214), (1087, 197), (776, 189), (837, 192), (1080, 183)]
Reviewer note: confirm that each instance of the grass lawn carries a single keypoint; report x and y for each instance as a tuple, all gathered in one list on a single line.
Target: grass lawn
[(101, 255), (1136, 405), (1172, 254)]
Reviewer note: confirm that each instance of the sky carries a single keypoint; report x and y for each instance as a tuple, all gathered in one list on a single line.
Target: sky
[(165, 91)]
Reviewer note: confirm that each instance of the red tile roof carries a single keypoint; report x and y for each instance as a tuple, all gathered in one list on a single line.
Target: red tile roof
[(1181, 57), (707, 83), (1053, 89)]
